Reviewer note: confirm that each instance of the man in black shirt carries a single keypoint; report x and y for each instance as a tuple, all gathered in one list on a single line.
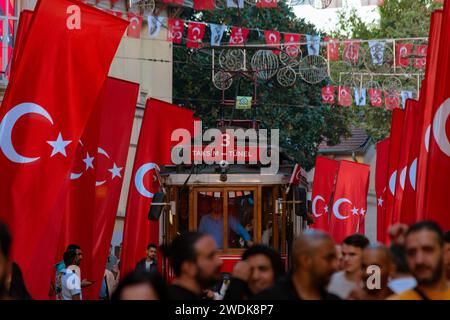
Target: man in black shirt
[(314, 257), (196, 264), (149, 263)]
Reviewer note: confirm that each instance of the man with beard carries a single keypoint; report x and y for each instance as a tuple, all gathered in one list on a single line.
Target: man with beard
[(196, 263), (447, 255), (5, 247), (425, 256), (314, 258)]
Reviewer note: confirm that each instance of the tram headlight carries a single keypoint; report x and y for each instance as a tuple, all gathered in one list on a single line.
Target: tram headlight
[(224, 166)]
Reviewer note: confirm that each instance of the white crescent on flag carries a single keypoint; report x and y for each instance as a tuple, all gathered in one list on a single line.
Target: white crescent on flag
[(104, 153), (413, 173), (314, 203), (139, 179), (196, 30), (439, 127), (403, 178), (392, 181), (273, 37), (75, 175), (7, 126), (134, 22), (336, 206), (403, 51)]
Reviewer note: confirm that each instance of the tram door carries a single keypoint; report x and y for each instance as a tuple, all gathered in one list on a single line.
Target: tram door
[(228, 214)]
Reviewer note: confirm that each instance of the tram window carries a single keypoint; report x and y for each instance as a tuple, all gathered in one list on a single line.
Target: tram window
[(267, 216), (183, 212), (210, 215), (241, 220)]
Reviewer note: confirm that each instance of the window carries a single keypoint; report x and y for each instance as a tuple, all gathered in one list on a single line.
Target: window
[(7, 26), (228, 215), (241, 222)]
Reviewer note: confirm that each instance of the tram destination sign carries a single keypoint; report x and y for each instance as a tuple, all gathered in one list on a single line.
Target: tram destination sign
[(234, 146)]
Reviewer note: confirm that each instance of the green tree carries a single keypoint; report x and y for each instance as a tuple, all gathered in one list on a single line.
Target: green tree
[(296, 111), (398, 19)]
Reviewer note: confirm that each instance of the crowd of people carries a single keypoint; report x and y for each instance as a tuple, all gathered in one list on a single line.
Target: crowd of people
[(415, 266)]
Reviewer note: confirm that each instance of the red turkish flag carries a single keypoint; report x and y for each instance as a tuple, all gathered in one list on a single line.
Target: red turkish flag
[(154, 150), (238, 36), (381, 185), (328, 94), (332, 48), (437, 201), (403, 52), (204, 4), (22, 32), (135, 26), (48, 102), (351, 51), (273, 38), (324, 176), (196, 32), (267, 4), (420, 51), (394, 146), (408, 209), (350, 200), (96, 180), (392, 99), (176, 30), (292, 44), (375, 97), (344, 96), (296, 175), (409, 127), (427, 99)]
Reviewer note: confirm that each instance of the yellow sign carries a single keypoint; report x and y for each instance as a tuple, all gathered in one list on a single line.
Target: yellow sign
[(243, 103)]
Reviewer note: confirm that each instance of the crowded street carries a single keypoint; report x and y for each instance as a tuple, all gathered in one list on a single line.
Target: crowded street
[(224, 157)]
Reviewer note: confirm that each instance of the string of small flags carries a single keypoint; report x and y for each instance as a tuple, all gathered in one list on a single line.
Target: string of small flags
[(176, 30), (406, 54), (374, 97), (199, 5)]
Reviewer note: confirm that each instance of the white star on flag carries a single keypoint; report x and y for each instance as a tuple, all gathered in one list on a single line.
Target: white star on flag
[(355, 211), (59, 145), (380, 202), (88, 160), (326, 209), (115, 171), (362, 211)]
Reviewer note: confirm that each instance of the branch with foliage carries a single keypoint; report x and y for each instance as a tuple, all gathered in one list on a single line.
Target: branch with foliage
[(297, 111)]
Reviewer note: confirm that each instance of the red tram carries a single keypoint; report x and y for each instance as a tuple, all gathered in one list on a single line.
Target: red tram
[(258, 203)]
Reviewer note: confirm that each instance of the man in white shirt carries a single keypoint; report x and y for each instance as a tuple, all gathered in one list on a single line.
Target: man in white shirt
[(344, 282), (70, 281)]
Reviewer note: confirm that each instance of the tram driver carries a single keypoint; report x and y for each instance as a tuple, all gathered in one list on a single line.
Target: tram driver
[(212, 224)]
